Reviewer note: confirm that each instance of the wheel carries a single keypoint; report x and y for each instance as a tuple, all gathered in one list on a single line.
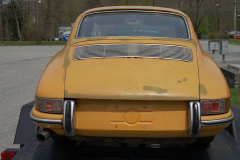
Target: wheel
[(204, 140)]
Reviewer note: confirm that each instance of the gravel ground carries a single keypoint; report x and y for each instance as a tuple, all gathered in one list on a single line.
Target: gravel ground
[(21, 68)]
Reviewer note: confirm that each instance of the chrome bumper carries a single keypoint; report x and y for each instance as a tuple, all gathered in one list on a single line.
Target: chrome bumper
[(46, 121), (195, 122), (218, 121)]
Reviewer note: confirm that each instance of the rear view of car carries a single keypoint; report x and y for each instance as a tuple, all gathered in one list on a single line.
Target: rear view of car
[(132, 74)]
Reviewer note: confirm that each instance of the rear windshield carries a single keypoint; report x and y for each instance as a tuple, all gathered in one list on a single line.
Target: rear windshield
[(143, 24)]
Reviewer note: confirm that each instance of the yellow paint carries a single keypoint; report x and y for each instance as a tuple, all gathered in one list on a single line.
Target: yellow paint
[(38, 114), (132, 97), (51, 84), (109, 118), (212, 82), (125, 78), (211, 131)]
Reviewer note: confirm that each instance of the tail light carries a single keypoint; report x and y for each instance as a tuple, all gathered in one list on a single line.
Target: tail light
[(8, 154), (216, 106), (49, 105)]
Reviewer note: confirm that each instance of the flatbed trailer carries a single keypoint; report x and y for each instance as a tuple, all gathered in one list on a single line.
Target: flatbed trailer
[(225, 145)]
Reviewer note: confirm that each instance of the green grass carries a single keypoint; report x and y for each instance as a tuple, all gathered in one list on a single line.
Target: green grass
[(235, 95), (31, 43), (232, 41)]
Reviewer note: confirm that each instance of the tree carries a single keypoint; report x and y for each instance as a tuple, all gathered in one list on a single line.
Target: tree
[(16, 4), (1, 24)]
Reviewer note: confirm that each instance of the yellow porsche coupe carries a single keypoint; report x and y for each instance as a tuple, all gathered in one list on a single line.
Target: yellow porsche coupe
[(132, 74)]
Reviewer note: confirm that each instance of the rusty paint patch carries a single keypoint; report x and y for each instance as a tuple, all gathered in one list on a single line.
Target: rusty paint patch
[(155, 89), (203, 89)]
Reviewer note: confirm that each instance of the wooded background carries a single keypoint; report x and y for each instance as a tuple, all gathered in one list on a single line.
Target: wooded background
[(28, 20)]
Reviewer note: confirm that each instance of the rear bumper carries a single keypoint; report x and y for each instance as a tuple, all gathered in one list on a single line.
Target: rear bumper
[(195, 125), (217, 122), (45, 121), (208, 123)]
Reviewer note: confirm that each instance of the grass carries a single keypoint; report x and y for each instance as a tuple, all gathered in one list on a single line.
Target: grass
[(232, 41), (235, 95), (31, 43)]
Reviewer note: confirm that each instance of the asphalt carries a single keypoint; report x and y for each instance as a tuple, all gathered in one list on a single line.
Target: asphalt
[(233, 56), (20, 70)]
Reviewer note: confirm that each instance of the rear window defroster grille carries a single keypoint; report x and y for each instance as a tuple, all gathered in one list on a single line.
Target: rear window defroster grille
[(133, 50)]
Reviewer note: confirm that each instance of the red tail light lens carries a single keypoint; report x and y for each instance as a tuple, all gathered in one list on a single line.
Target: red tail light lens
[(215, 106), (8, 155)]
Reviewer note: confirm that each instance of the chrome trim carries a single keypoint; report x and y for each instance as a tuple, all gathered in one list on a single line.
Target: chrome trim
[(218, 121), (72, 105), (194, 106), (45, 121), (137, 10), (133, 57)]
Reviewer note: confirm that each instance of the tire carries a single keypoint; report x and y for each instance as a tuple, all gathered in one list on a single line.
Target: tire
[(204, 140)]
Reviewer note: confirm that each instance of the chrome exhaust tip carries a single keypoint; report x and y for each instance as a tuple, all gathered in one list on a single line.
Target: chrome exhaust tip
[(43, 136)]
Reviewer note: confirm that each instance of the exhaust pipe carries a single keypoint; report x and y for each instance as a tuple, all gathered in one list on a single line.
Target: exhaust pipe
[(43, 136)]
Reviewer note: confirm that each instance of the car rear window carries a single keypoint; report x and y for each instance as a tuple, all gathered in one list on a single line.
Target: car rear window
[(139, 24)]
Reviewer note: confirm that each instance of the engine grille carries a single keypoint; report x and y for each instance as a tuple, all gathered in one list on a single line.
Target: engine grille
[(133, 50)]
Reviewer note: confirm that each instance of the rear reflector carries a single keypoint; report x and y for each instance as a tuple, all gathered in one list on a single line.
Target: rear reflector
[(8, 155), (49, 106)]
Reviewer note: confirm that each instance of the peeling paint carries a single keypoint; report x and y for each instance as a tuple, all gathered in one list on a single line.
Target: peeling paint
[(65, 91), (66, 59), (66, 63), (203, 89), (184, 79), (155, 89)]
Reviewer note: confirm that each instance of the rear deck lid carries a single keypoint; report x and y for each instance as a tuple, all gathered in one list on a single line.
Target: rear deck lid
[(157, 75)]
